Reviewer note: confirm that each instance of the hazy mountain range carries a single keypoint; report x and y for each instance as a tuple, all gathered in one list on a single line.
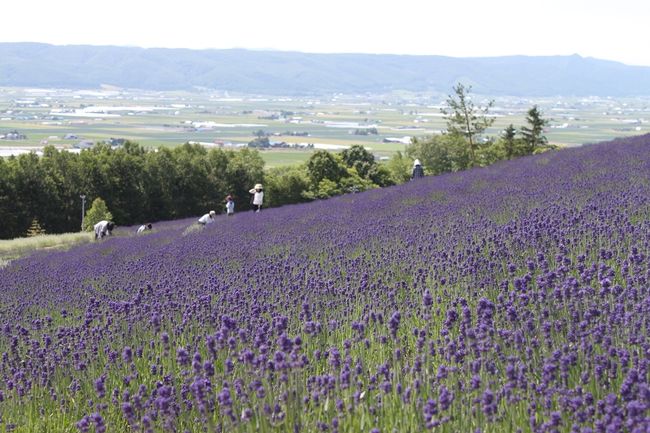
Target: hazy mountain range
[(290, 73)]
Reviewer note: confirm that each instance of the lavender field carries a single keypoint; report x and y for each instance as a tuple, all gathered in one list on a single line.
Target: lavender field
[(509, 298)]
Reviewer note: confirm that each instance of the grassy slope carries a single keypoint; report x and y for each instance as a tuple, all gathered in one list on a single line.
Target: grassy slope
[(15, 248)]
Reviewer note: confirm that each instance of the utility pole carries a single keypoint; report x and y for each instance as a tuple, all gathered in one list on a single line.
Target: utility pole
[(83, 209)]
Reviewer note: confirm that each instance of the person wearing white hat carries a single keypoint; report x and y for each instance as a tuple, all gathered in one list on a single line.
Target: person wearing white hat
[(418, 171), (208, 218), (258, 197)]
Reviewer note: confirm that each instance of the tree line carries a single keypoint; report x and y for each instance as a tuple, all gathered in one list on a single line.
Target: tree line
[(464, 144), (461, 146), (139, 185)]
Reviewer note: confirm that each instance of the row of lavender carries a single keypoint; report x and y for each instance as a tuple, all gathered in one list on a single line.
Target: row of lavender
[(510, 298)]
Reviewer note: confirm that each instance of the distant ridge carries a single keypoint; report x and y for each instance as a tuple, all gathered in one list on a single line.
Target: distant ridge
[(290, 73)]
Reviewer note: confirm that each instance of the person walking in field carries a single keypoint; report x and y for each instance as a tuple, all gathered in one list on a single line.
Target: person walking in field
[(230, 206), (208, 218), (103, 228), (144, 227), (418, 171), (258, 197)]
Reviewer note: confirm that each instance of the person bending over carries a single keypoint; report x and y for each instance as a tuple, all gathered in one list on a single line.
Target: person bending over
[(103, 228), (208, 218), (144, 227)]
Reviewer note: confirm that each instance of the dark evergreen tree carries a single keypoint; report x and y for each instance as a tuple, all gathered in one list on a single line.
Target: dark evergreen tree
[(35, 229), (509, 143), (533, 132)]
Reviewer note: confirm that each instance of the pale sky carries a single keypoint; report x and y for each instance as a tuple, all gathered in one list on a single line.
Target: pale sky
[(605, 29)]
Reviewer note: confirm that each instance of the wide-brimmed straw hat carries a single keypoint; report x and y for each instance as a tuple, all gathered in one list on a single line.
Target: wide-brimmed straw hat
[(416, 162), (212, 212), (258, 186)]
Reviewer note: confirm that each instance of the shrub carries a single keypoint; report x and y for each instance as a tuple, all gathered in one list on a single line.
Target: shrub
[(97, 212)]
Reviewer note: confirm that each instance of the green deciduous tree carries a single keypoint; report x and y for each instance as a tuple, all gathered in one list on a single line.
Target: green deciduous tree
[(326, 188), (35, 194), (359, 158), (354, 182), (467, 120), (380, 175), (127, 190), (61, 175), (191, 187), (400, 168), (325, 165), (159, 176), (287, 185), (97, 212), (9, 207), (440, 153)]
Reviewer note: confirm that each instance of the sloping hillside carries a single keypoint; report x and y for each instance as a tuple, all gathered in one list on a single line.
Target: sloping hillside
[(504, 298)]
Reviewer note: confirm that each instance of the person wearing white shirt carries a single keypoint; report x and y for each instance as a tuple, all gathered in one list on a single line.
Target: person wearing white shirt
[(208, 218), (144, 227), (258, 197), (103, 228), (230, 206)]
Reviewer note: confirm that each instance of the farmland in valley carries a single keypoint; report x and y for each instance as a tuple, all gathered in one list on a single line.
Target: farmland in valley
[(382, 123), (509, 298)]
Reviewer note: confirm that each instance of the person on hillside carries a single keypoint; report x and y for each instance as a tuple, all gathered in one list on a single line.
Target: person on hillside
[(418, 171), (257, 196), (208, 218), (230, 206), (144, 227), (103, 228)]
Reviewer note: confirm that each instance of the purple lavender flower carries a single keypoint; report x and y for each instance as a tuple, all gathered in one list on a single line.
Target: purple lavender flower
[(182, 357), (127, 354)]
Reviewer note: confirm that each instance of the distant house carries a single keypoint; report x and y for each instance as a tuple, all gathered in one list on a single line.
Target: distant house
[(116, 142), (13, 135), (84, 144), (221, 143), (403, 140)]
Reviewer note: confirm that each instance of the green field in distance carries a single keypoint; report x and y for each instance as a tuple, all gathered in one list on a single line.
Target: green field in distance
[(295, 125)]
